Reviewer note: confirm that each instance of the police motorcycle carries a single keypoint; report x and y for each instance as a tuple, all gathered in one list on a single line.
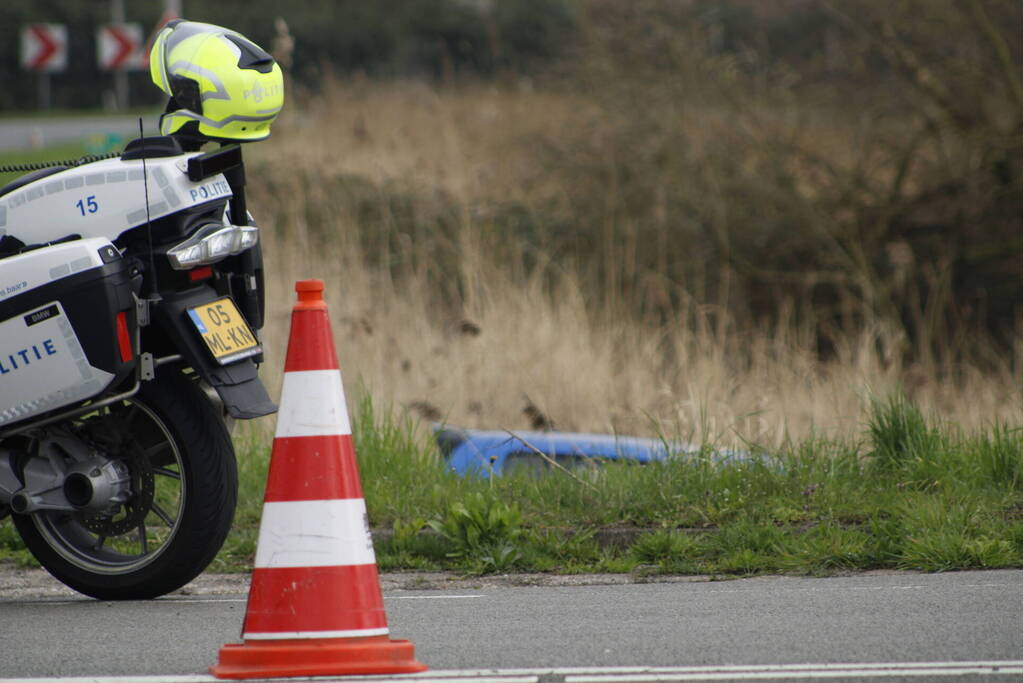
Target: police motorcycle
[(131, 299)]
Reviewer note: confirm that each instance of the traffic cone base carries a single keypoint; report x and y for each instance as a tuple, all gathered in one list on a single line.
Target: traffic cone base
[(317, 657)]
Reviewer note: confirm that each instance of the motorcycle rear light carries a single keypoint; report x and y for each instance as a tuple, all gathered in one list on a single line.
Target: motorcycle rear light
[(203, 273), (211, 244), (124, 337)]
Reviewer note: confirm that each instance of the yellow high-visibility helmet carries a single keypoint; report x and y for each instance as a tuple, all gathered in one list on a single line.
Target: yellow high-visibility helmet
[(222, 85)]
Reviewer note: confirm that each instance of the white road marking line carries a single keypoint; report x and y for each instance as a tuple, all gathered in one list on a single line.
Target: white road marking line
[(386, 597), (431, 597), (87, 601), (790, 673), (495, 677), (629, 674), (785, 589), (191, 599), (696, 585), (114, 679), (185, 598)]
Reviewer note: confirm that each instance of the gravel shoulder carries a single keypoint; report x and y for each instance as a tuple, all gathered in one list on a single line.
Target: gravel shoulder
[(18, 583)]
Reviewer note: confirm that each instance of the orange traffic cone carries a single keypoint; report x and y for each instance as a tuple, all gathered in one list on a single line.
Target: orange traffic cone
[(315, 606)]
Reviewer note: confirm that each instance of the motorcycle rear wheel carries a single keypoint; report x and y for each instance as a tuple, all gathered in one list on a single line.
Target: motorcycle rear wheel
[(184, 485)]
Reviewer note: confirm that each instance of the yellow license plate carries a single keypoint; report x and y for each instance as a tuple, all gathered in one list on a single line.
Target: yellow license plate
[(224, 330)]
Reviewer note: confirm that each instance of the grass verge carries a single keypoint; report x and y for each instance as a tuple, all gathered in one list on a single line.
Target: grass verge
[(911, 494)]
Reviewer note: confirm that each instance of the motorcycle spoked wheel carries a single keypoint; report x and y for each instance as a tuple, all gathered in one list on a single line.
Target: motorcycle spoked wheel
[(184, 484)]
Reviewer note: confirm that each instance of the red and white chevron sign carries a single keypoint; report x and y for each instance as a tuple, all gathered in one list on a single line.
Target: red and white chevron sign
[(119, 47), (44, 47)]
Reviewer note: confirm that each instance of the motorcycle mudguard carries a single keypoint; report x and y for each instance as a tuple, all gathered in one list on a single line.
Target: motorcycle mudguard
[(238, 383)]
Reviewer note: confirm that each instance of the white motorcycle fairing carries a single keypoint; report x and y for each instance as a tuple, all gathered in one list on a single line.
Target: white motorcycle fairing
[(104, 199)]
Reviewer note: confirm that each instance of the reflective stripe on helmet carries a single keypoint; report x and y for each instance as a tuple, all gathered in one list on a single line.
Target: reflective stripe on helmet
[(182, 67)]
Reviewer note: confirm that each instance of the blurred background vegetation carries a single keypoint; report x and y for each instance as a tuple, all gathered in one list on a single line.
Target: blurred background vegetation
[(849, 170), (431, 39)]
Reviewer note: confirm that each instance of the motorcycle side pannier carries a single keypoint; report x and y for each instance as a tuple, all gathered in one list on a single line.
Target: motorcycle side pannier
[(67, 326)]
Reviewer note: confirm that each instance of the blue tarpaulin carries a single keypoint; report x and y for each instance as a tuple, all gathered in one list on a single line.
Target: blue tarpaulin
[(471, 452)]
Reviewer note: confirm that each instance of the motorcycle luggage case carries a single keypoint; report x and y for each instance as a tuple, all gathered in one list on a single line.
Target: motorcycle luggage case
[(67, 326)]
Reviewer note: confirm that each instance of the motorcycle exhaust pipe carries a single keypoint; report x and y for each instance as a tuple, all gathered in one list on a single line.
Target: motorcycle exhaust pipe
[(95, 486)]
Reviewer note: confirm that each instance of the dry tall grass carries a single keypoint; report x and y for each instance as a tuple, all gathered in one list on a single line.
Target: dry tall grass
[(455, 320)]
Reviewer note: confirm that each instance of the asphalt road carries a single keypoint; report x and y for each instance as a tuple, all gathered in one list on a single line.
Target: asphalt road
[(27, 133), (870, 619)]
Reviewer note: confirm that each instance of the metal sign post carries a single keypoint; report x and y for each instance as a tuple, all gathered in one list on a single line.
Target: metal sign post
[(119, 49)]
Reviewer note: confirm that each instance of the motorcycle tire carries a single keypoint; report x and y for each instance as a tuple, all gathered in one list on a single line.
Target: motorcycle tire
[(183, 490)]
